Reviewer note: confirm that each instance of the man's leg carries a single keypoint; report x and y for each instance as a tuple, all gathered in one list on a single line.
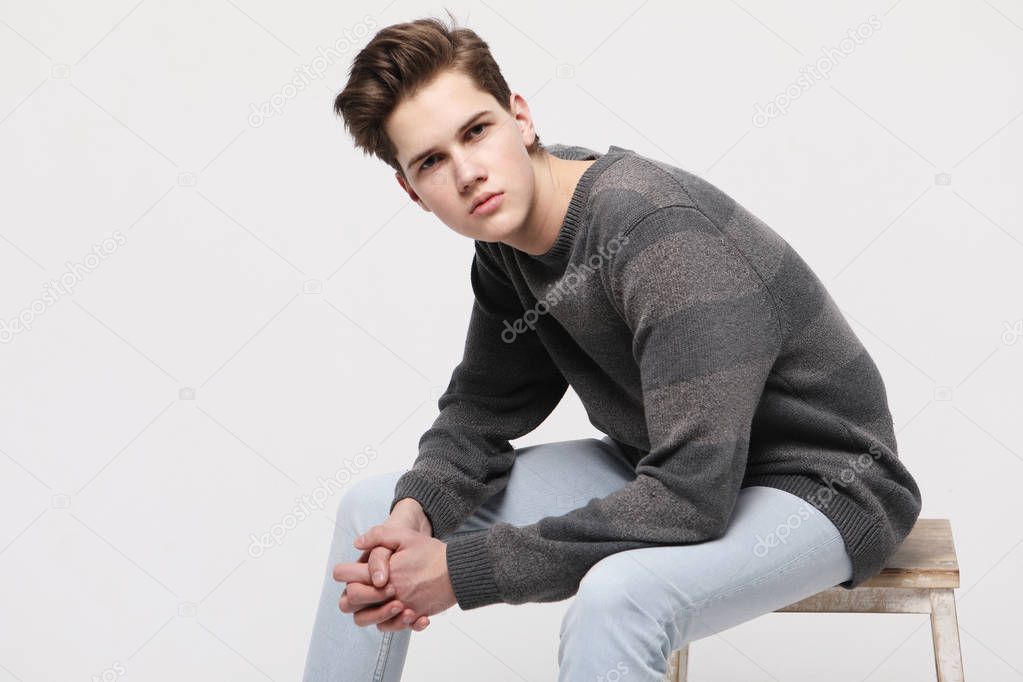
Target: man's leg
[(634, 608), (340, 650), (549, 479)]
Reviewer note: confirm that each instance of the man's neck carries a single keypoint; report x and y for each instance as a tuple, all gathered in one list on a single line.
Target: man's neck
[(554, 181)]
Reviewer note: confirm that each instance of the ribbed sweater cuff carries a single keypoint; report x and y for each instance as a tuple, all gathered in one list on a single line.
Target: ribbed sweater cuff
[(436, 503), (470, 570)]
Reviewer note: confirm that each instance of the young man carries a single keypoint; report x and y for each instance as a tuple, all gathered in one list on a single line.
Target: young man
[(750, 457)]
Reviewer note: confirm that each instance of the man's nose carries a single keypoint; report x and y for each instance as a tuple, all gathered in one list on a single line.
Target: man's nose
[(468, 171)]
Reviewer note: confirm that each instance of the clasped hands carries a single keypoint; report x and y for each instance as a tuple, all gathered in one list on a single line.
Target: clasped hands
[(409, 572)]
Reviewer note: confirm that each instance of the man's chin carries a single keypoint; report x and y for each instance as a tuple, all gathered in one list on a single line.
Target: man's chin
[(484, 235)]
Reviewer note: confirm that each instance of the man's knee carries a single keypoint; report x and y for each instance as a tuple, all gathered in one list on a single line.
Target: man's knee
[(366, 502), (618, 586)]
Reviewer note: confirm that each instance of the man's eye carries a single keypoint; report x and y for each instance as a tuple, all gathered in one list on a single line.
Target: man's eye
[(425, 165)]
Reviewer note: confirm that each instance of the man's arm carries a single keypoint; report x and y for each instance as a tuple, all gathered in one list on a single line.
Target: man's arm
[(498, 392), (705, 335)]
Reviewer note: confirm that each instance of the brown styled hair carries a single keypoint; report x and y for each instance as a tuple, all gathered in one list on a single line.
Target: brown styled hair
[(400, 59)]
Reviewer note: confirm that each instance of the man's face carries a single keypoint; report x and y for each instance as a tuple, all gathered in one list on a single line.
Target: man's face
[(468, 156)]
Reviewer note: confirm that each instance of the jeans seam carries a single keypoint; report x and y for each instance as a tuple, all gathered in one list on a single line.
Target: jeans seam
[(778, 571), (385, 645)]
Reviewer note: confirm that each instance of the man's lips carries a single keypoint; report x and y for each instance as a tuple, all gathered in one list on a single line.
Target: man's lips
[(487, 197)]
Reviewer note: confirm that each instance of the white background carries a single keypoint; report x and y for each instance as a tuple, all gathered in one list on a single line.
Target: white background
[(314, 311)]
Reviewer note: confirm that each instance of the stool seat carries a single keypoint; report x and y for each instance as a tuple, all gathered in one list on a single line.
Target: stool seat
[(926, 558), (919, 577)]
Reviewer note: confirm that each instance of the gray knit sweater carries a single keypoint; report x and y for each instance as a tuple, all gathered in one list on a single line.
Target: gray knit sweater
[(697, 339)]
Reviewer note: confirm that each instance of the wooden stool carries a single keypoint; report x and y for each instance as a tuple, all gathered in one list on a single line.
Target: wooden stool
[(919, 578)]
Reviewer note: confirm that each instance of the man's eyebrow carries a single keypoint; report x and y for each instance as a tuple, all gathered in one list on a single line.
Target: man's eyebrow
[(423, 155)]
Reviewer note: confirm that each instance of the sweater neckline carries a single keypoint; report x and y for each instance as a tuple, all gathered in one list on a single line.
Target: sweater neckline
[(572, 223)]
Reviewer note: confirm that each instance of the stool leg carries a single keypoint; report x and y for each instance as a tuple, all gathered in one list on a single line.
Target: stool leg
[(678, 665), (948, 658)]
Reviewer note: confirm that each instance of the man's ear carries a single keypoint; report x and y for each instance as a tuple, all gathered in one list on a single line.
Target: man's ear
[(410, 191), (523, 118)]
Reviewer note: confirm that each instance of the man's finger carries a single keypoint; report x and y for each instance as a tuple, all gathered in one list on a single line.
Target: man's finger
[(351, 573), (400, 622), (358, 596), (395, 623), (378, 557), (388, 536), (392, 624), (378, 614)]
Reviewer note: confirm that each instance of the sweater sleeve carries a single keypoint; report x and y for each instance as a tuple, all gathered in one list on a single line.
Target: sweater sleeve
[(705, 336), (501, 390)]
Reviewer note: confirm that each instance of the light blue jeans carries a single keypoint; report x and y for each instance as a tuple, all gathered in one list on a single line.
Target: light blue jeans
[(632, 608)]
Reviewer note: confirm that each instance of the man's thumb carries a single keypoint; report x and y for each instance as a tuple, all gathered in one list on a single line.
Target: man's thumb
[(378, 565)]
